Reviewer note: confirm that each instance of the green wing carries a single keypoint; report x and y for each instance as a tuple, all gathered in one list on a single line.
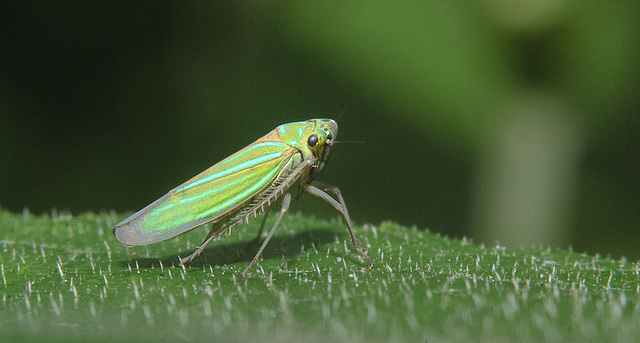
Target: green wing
[(212, 195)]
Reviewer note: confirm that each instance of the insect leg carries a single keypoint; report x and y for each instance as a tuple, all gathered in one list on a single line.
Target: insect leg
[(286, 201), (197, 252), (318, 189), (264, 220)]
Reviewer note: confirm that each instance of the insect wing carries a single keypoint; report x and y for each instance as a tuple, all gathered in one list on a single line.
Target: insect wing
[(212, 195)]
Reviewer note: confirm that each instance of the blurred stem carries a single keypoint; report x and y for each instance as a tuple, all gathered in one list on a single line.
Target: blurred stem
[(527, 177)]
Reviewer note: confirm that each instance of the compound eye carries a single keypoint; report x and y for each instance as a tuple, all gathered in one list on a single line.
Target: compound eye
[(313, 140), (330, 137)]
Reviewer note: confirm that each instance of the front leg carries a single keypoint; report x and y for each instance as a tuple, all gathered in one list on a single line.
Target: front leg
[(318, 190)]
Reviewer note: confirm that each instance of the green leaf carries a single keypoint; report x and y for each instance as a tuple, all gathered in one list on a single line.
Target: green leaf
[(67, 279)]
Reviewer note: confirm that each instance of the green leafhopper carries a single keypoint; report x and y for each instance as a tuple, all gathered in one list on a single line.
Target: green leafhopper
[(244, 185)]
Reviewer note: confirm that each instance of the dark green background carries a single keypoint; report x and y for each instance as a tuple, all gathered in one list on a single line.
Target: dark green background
[(109, 105)]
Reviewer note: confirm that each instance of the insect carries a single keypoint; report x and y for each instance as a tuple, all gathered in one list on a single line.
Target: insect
[(244, 185)]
